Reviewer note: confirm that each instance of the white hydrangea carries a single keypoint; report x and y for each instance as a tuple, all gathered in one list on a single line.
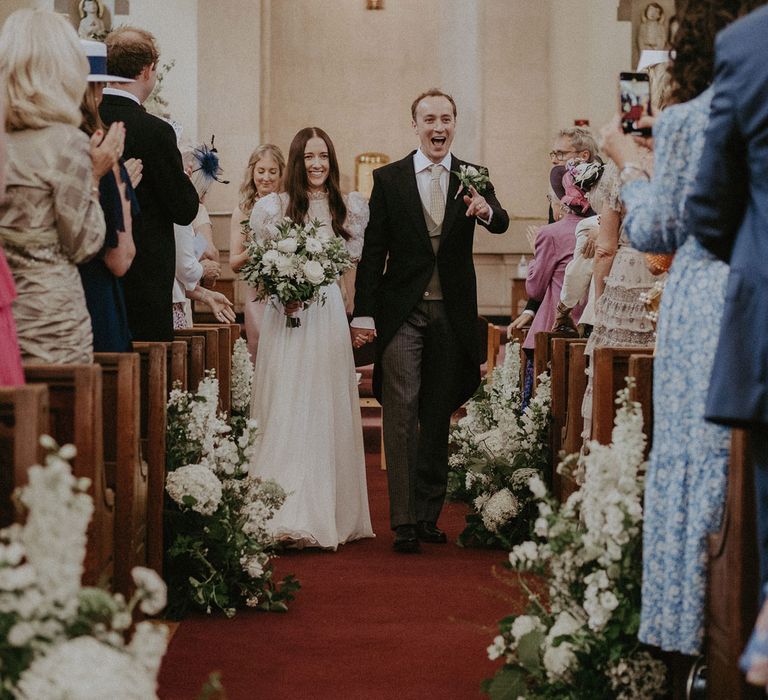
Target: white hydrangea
[(86, 669), (499, 509), (198, 483)]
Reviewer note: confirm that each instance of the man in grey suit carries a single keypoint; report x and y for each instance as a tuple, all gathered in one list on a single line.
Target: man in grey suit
[(728, 213), (416, 292)]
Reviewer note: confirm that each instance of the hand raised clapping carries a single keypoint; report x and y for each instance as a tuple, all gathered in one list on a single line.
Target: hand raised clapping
[(107, 149)]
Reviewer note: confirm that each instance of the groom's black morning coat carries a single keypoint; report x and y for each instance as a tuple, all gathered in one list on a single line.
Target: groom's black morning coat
[(397, 237)]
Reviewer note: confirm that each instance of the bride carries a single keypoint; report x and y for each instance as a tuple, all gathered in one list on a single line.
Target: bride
[(304, 389)]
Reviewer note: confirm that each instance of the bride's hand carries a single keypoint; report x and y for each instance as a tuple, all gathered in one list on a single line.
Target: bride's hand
[(291, 308)]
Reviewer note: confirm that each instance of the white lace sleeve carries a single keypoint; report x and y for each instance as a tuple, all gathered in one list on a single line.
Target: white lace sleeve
[(266, 212), (357, 220)]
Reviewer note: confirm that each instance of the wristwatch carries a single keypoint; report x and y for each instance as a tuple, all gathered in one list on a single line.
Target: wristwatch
[(632, 171)]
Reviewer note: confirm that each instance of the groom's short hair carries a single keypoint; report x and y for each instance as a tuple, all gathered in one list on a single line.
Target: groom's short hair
[(432, 92)]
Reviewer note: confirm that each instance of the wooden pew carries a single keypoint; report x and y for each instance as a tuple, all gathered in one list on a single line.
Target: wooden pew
[(23, 419), (234, 331), (195, 350), (223, 363), (560, 364), (542, 353), (733, 581), (177, 364), (641, 368), (75, 417), (154, 398), (610, 367), (127, 472)]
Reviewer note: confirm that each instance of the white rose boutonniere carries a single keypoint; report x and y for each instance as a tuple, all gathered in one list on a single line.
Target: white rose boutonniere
[(470, 176)]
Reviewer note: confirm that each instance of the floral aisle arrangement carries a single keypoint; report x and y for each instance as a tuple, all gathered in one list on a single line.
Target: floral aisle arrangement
[(582, 642), (497, 448), (219, 547), (242, 382), (58, 639), (294, 262)]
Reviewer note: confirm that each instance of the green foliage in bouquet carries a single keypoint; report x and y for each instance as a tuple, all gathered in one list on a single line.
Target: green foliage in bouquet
[(294, 262), (57, 638), (219, 549), (582, 641), (497, 447)]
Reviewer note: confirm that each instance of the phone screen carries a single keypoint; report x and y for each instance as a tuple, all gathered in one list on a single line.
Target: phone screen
[(635, 95)]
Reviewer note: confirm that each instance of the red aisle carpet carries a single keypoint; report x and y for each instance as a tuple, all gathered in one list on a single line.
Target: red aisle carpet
[(367, 623)]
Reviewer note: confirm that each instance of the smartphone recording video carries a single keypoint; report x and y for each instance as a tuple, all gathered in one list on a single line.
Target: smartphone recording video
[(635, 96)]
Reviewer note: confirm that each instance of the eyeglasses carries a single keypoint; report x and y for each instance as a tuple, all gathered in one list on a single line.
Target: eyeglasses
[(560, 155)]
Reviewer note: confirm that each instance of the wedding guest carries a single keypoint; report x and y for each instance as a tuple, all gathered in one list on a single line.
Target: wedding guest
[(203, 164), (101, 275), (726, 212), (51, 219), (304, 386), (262, 177), (422, 311), (554, 250), (165, 194), (687, 475), (575, 142), (11, 372)]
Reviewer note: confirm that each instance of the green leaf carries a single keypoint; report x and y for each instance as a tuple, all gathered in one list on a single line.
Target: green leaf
[(508, 684), (528, 651)]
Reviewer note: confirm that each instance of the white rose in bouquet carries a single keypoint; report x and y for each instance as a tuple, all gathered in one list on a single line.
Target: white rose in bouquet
[(314, 272), (288, 245), (313, 245)]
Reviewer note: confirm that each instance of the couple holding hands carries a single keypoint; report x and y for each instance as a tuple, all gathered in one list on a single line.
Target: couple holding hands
[(416, 294)]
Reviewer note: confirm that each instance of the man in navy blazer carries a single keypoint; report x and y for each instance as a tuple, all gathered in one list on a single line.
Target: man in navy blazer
[(728, 213)]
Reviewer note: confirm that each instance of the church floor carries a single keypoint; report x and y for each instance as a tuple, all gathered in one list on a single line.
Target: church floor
[(367, 623)]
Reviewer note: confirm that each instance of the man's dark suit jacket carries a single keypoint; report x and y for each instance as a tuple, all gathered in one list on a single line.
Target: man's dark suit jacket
[(397, 237), (166, 196), (728, 213)]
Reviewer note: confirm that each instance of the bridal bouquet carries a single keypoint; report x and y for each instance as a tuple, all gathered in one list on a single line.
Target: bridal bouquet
[(294, 263), (589, 552), (497, 447), (58, 639), (217, 521)]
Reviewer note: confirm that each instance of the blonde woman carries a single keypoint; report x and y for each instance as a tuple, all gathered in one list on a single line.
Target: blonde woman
[(51, 218), (263, 175)]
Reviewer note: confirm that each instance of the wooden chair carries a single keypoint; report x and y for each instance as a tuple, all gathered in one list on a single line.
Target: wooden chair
[(733, 581), (23, 419), (154, 399), (75, 403), (195, 349), (641, 368), (127, 472), (610, 367)]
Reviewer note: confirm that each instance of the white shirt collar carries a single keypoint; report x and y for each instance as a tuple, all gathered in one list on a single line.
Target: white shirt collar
[(121, 93), (421, 162)]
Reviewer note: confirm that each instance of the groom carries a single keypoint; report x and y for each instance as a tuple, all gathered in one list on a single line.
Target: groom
[(423, 310)]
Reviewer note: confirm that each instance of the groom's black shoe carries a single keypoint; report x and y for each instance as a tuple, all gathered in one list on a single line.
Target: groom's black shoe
[(406, 540), (429, 532)]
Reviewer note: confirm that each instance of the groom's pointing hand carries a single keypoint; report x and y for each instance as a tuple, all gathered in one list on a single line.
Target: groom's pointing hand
[(476, 205)]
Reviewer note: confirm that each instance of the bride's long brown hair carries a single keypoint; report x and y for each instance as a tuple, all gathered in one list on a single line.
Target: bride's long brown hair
[(296, 181)]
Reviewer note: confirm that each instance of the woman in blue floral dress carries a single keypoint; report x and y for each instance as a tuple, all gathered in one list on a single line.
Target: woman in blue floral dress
[(686, 481)]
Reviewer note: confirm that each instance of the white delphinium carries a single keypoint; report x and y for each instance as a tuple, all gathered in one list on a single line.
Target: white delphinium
[(86, 669), (195, 487), (152, 591), (242, 377)]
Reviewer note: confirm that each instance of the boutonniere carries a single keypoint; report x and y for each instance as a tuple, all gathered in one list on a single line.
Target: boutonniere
[(470, 176)]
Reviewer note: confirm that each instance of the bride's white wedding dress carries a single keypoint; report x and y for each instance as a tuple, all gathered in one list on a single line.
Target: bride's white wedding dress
[(305, 400)]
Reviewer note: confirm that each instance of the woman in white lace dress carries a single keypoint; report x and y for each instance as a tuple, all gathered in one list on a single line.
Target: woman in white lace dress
[(305, 389)]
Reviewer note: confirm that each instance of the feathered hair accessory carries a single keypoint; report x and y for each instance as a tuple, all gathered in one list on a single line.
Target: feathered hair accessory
[(578, 179), (206, 163)]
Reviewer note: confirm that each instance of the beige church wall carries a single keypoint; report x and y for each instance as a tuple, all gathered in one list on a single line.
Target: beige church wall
[(8, 7)]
